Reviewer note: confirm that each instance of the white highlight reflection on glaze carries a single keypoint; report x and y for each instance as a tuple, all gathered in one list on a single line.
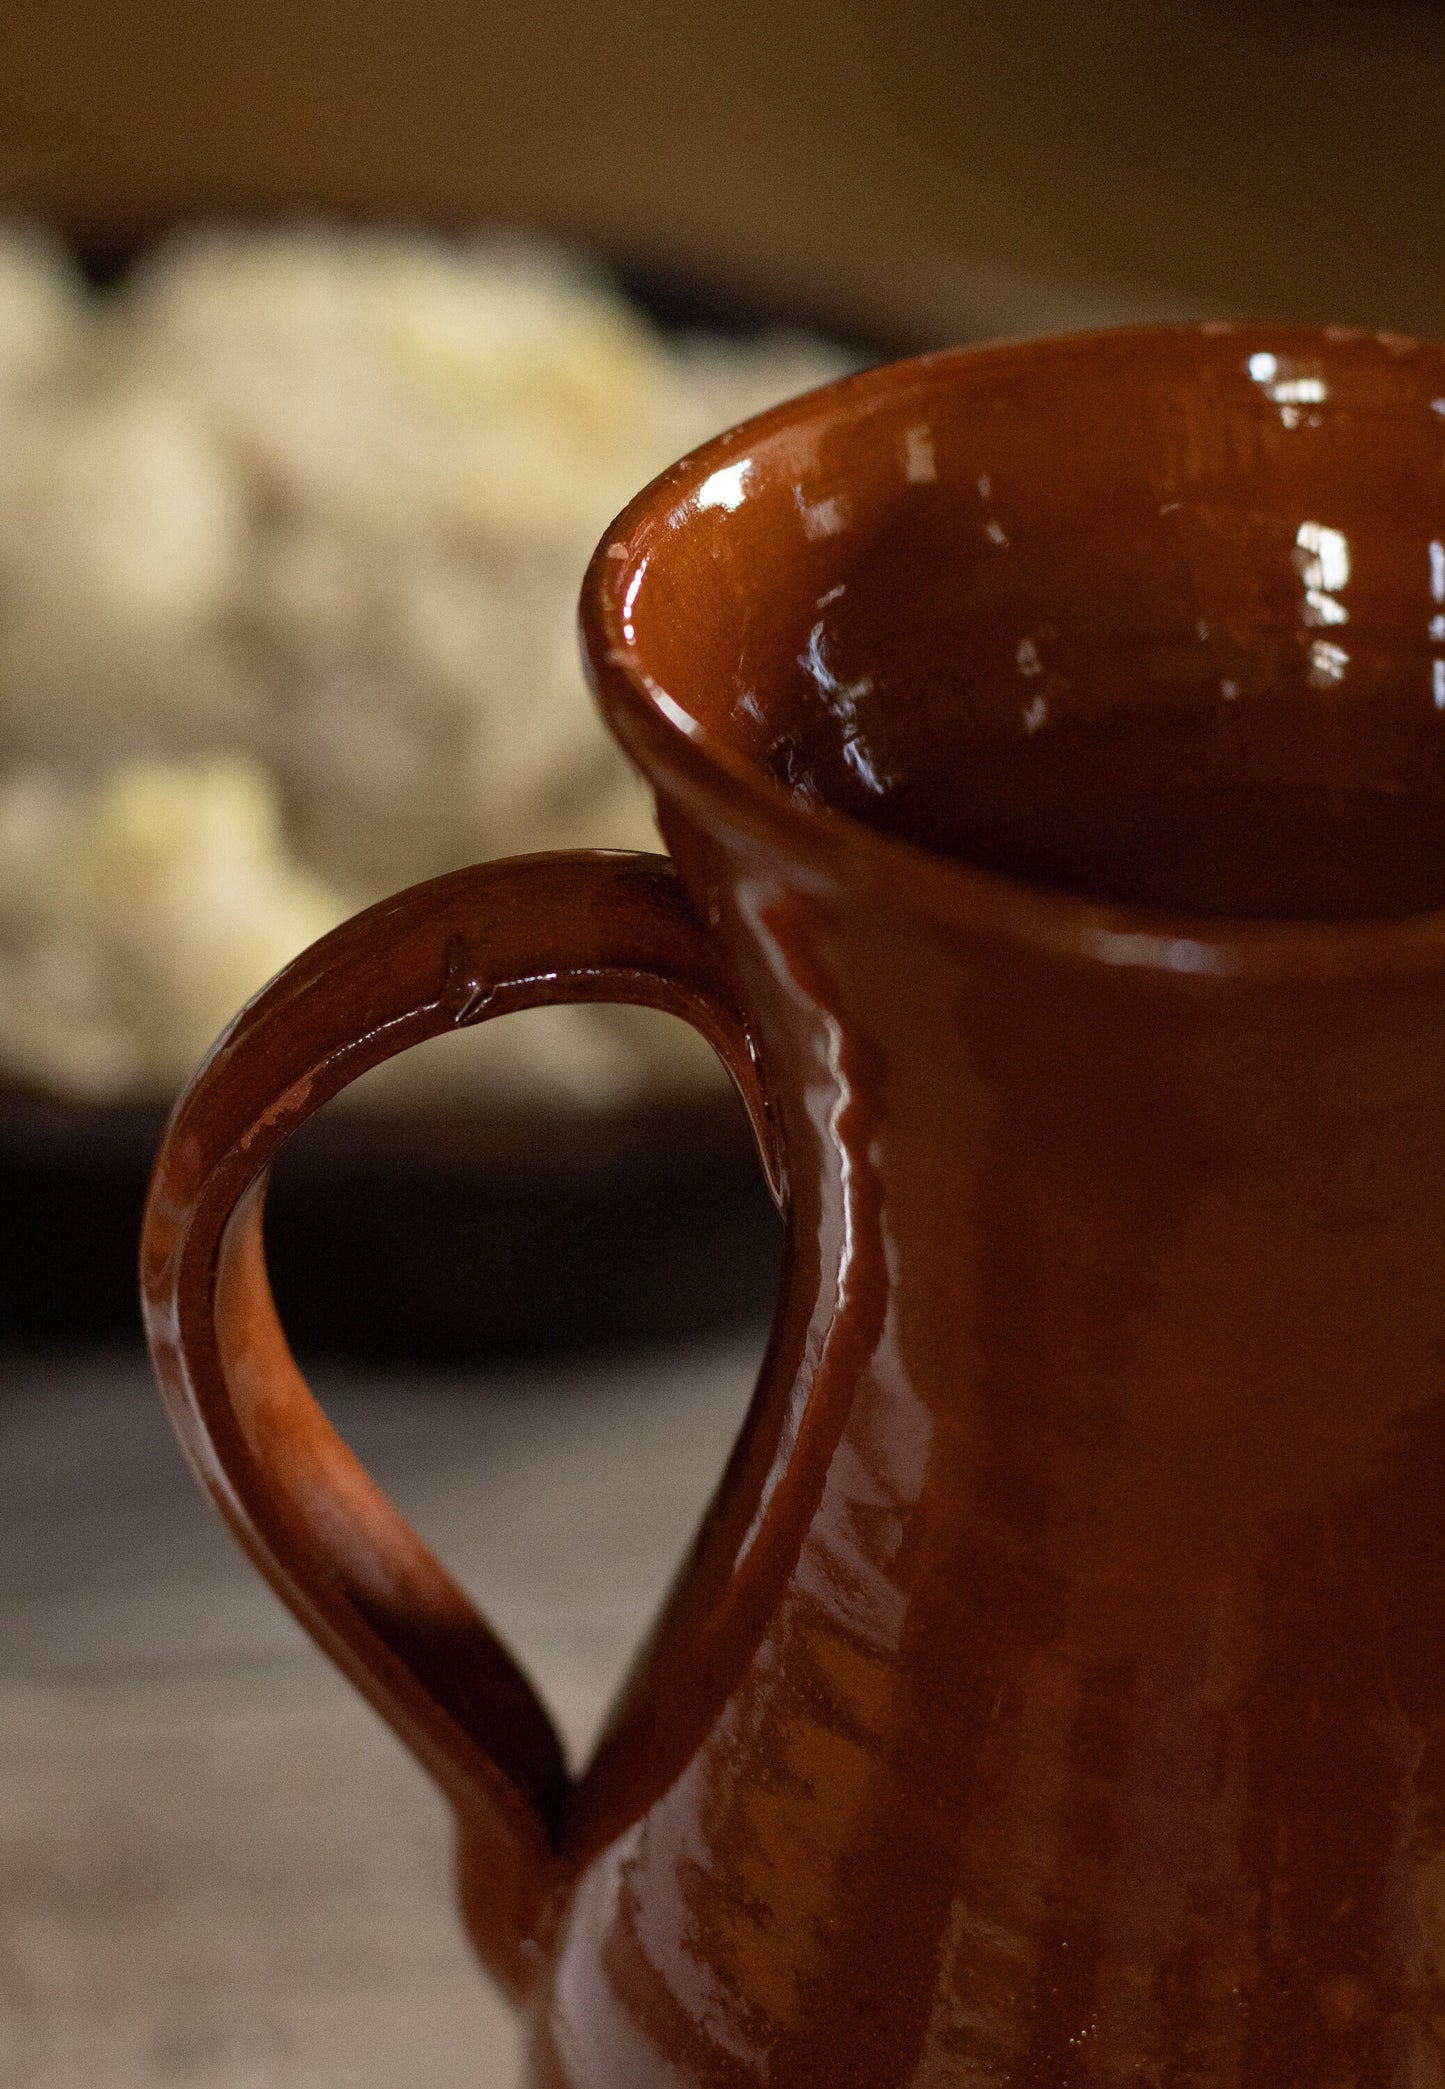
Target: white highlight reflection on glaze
[(727, 487), (1172, 953), (841, 696), (822, 518), (1327, 664), (1326, 560), (919, 462), (1290, 394), (672, 710), (1322, 557), (629, 631)]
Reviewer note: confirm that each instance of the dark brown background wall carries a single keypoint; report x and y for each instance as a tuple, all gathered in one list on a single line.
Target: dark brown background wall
[(971, 165)]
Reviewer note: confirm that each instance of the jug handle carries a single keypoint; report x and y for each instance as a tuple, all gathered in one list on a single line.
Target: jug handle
[(576, 926)]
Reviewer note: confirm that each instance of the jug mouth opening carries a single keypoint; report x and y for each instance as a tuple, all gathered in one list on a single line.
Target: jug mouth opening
[(727, 791)]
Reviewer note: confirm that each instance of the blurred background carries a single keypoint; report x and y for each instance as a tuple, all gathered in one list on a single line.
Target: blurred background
[(290, 526), (940, 168)]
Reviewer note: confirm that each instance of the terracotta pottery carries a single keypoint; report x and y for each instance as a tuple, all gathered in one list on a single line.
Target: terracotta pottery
[(1050, 741)]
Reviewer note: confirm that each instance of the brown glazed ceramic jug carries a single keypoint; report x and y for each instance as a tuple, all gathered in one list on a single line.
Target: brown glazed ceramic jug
[(1050, 741)]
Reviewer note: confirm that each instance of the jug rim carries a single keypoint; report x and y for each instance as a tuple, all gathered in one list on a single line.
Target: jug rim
[(831, 847)]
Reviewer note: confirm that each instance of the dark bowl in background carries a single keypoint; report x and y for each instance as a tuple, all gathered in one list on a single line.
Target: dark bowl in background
[(427, 1236)]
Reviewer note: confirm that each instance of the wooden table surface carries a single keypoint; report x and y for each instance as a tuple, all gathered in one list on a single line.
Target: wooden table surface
[(217, 1869)]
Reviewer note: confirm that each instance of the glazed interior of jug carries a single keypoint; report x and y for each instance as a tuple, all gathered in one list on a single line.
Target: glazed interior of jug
[(1158, 618)]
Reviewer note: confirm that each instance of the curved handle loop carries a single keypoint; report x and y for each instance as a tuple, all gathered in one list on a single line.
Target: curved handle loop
[(583, 926)]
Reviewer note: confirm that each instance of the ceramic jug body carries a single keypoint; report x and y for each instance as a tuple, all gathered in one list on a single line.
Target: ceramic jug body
[(1054, 1694), (1051, 1696)]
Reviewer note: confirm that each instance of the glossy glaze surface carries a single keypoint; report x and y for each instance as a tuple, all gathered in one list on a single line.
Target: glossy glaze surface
[(1055, 1694)]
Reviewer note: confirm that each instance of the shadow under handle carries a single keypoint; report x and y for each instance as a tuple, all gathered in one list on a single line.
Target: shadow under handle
[(579, 926)]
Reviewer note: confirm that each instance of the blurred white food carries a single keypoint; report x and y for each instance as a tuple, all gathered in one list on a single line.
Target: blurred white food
[(135, 904), (291, 530)]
